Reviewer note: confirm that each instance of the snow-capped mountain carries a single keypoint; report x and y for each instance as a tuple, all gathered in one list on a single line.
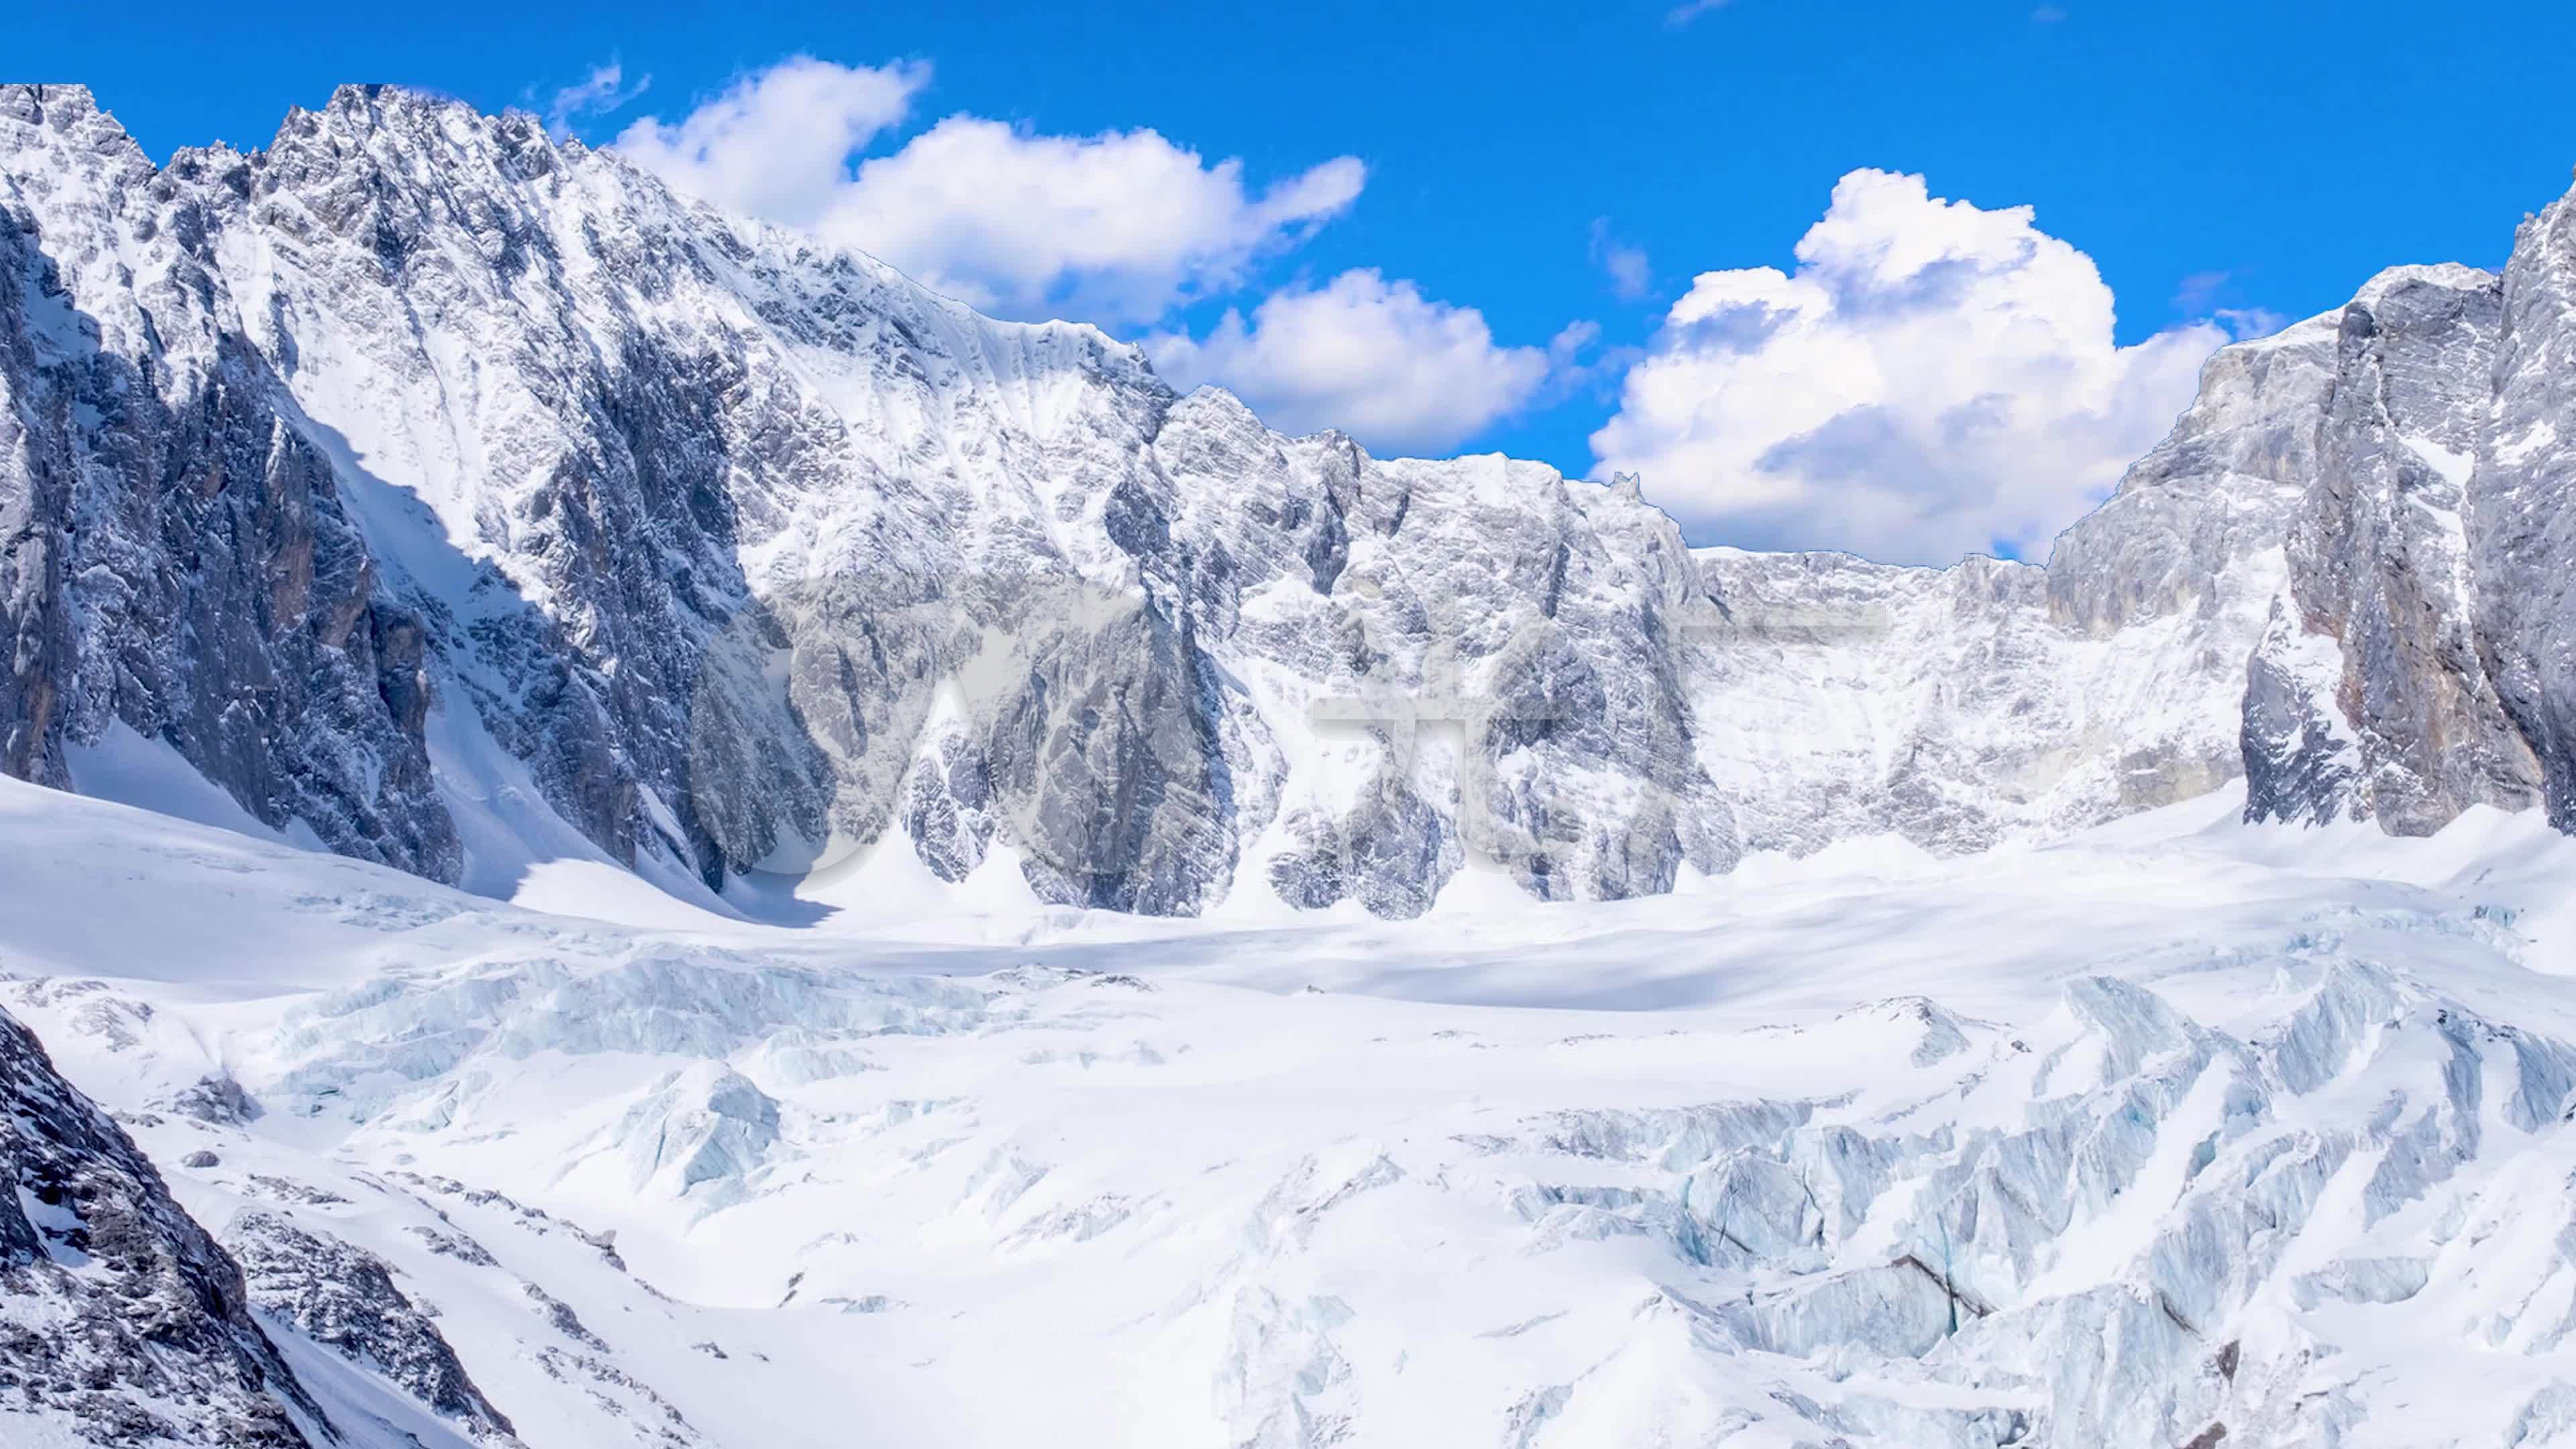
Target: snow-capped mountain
[(458, 499), (2007, 1005)]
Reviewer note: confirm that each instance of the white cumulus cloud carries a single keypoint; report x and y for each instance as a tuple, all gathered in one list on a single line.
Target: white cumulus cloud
[(1375, 358), (1114, 228), (1933, 379), (778, 144), (1117, 228)]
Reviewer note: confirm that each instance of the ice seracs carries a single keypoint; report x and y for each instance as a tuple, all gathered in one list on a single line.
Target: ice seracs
[(2177, 1126)]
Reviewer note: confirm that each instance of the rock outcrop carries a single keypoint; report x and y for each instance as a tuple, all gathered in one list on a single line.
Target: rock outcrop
[(2370, 696), (343, 1297), (2521, 511), (121, 1321)]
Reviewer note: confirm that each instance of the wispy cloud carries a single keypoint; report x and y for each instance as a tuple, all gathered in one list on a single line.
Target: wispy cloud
[(2198, 298), (1690, 10), (600, 93), (1625, 264), (1577, 363), (2048, 14), (2244, 322), (2199, 292)]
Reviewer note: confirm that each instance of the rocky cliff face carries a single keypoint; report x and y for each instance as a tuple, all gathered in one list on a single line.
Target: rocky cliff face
[(121, 1321), (2520, 524), (463, 499), (175, 551), (2370, 695)]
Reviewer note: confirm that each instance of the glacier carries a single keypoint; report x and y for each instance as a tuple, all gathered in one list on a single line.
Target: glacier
[(2173, 1129)]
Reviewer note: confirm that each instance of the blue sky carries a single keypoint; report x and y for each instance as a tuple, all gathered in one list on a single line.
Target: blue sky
[(1526, 169)]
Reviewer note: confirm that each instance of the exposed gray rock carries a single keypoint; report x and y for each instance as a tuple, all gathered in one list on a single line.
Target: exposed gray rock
[(178, 554), (2302, 761), (2521, 507), (344, 1297), (2381, 573), (218, 1099), (710, 431), (121, 1321)]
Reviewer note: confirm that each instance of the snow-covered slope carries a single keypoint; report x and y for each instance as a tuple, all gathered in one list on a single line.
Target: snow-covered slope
[(2167, 1128), (467, 502), (2176, 1126)]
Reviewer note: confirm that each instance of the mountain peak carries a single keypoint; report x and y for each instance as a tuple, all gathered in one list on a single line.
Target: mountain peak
[(69, 101)]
